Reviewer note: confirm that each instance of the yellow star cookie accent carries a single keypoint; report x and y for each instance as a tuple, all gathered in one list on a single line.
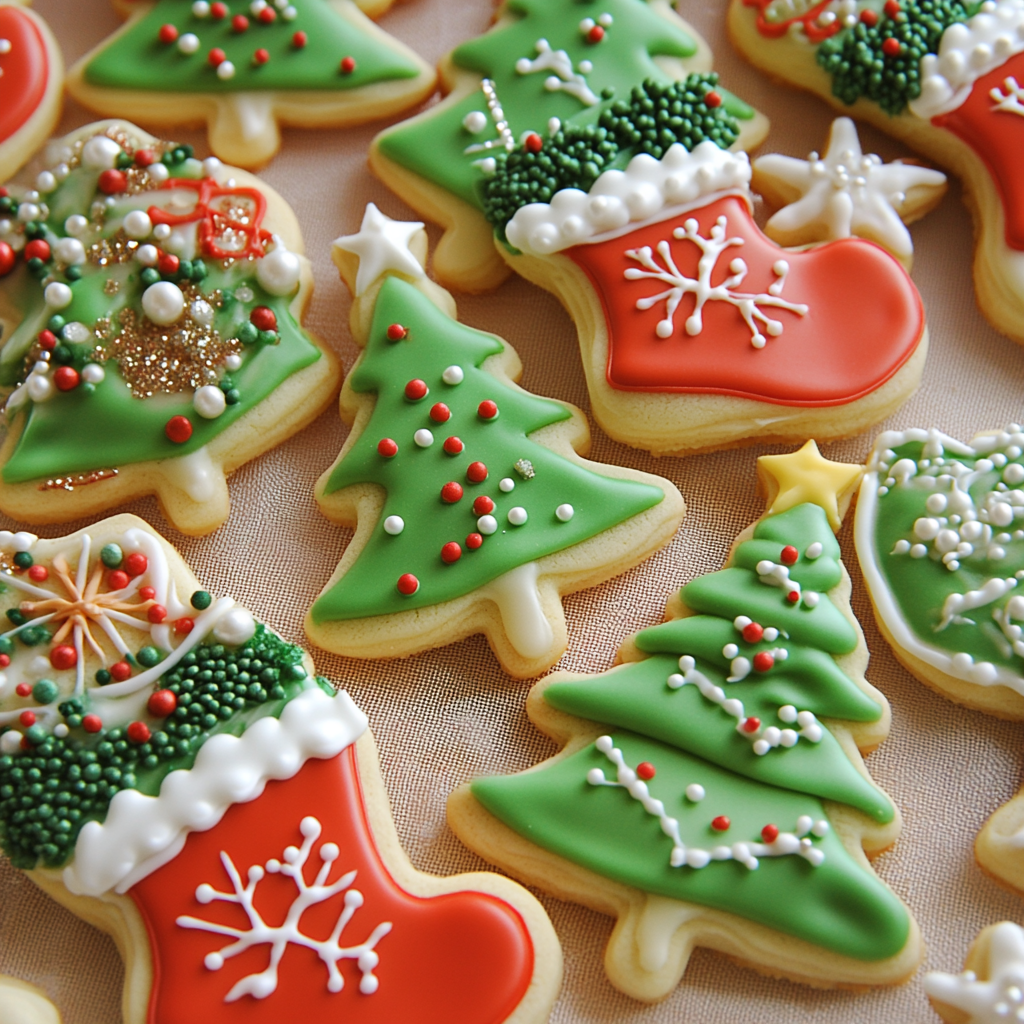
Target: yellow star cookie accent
[(806, 476)]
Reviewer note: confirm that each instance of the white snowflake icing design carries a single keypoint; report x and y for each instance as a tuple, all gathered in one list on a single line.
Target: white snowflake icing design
[(566, 77), (278, 937), (748, 303), (1011, 101)]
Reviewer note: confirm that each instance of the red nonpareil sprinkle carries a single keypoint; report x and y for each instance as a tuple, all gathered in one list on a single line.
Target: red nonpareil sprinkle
[(533, 143), (38, 573), (645, 770), (750, 724), (299, 40), (869, 17), (476, 472), (793, 596), (66, 378), (770, 833), (483, 506), (156, 614), (47, 341), (263, 318), (261, 56), (37, 249), (8, 258), (27, 718), (386, 448), (473, 541), (184, 626), (892, 47), (5, 660), (92, 723), (23, 689), (348, 65), (120, 671), (892, 8), (268, 15), (138, 732), (147, 593), (216, 57), (178, 429), (408, 584), (763, 661), (451, 552), (721, 823), (752, 632), (117, 579), (487, 410), (239, 23), (396, 332), (713, 99), (440, 413), (789, 555), (416, 390), (451, 492), (219, 10), (453, 446), (162, 703), (168, 263), (595, 35), (144, 157), (167, 34), (63, 656), (135, 564)]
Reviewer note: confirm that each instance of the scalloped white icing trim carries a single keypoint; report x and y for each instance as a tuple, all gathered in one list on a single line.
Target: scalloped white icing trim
[(140, 831), (967, 51), (619, 198)]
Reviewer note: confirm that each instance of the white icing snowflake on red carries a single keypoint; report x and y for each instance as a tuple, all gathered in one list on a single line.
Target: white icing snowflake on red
[(1012, 100)]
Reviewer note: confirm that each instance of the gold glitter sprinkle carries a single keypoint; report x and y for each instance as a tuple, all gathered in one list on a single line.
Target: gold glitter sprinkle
[(118, 248), (69, 483), (111, 286)]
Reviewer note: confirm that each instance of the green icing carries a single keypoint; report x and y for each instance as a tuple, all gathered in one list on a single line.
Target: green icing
[(414, 477), (137, 59), (434, 147), (838, 905)]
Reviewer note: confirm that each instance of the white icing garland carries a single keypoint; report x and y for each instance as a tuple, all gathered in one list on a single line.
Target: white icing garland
[(140, 833), (1011, 101), (279, 937), (566, 77), (746, 853)]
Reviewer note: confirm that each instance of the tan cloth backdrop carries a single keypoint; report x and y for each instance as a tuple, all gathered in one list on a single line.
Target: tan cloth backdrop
[(452, 714)]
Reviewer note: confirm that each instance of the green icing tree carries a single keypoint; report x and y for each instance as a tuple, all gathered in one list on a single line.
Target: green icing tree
[(450, 519), (710, 786)]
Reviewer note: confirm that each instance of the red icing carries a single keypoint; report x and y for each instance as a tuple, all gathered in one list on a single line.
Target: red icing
[(459, 958), (23, 71), (776, 29), (998, 138), (864, 318)]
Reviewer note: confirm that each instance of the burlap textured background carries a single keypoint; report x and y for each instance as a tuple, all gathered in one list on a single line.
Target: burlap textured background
[(450, 715)]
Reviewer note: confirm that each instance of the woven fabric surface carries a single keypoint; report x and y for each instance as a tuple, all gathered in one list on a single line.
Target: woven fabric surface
[(450, 715)]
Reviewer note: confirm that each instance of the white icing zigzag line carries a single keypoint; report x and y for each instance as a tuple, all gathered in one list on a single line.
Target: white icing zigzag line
[(786, 843), (139, 830), (701, 288), (278, 937), (565, 78), (1011, 101)]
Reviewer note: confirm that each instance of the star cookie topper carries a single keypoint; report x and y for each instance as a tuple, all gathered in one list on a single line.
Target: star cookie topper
[(846, 192), (381, 246), (806, 475)]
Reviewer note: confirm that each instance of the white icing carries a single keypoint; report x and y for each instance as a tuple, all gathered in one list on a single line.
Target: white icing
[(228, 770), (661, 919), (279, 937), (619, 198), (846, 192), (567, 78), (1011, 101), (518, 600), (967, 51), (382, 245), (505, 139), (196, 473)]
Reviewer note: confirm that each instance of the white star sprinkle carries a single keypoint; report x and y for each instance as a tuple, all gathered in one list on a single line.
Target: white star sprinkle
[(382, 245), (846, 192)]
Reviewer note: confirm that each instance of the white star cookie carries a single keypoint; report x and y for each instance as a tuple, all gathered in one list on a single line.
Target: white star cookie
[(382, 245), (998, 996), (846, 192)]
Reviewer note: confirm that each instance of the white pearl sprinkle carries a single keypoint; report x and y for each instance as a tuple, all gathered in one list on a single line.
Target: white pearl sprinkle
[(76, 225), (58, 295), (147, 255), (517, 515), (158, 172), (475, 121), (564, 513), (188, 43), (394, 525), (5, 46), (137, 225), (233, 361), (209, 401), (487, 525), (423, 437), (45, 181), (225, 70), (453, 375), (507, 484), (163, 302), (93, 373), (60, 730), (200, 8), (695, 792), (69, 251), (162, 231), (100, 153)]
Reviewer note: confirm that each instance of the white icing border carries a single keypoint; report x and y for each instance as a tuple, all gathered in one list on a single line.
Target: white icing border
[(619, 198), (141, 833), (967, 51)]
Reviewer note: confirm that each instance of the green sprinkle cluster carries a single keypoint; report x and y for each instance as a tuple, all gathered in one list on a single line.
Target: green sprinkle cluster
[(48, 792), (859, 66), (655, 116)]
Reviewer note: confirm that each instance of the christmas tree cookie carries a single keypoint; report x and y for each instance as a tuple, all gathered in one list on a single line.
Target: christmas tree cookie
[(246, 68), (472, 507), (710, 791), (150, 309), (31, 85), (696, 330), (943, 75), (173, 772), (544, 64)]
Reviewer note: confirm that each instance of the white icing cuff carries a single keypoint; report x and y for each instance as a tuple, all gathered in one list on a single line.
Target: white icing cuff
[(140, 830), (968, 51), (619, 198)]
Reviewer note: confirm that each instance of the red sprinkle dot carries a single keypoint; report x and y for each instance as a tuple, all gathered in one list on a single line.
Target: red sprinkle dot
[(168, 263), (487, 410), (453, 445), (47, 341), (750, 724), (483, 506), (892, 8), (892, 47), (167, 33), (348, 65), (263, 318), (595, 35), (27, 718), (451, 492), (147, 593), (23, 689), (138, 732), (789, 554), (645, 770), (408, 584), (63, 656), (178, 429), (721, 823), (386, 448), (37, 249), (135, 564), (161, 703), (184, 626), (156, 614), (239, 22), (396, 332), (268, 15), (869, 17), (261, 56), (8, 258), (752, 632), (440, 413), (770, 833), (117, 580), (473, 541), (763, 661), (120, 671), (216, 57), (38, 573), (5, 660), (793, 596), (534, 143), (113, 181), (144, 157), (66, 378), (219, 10), (416, 390), (299, 40), (92, 723), (476, 472), (451, 552), (713, 99)]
